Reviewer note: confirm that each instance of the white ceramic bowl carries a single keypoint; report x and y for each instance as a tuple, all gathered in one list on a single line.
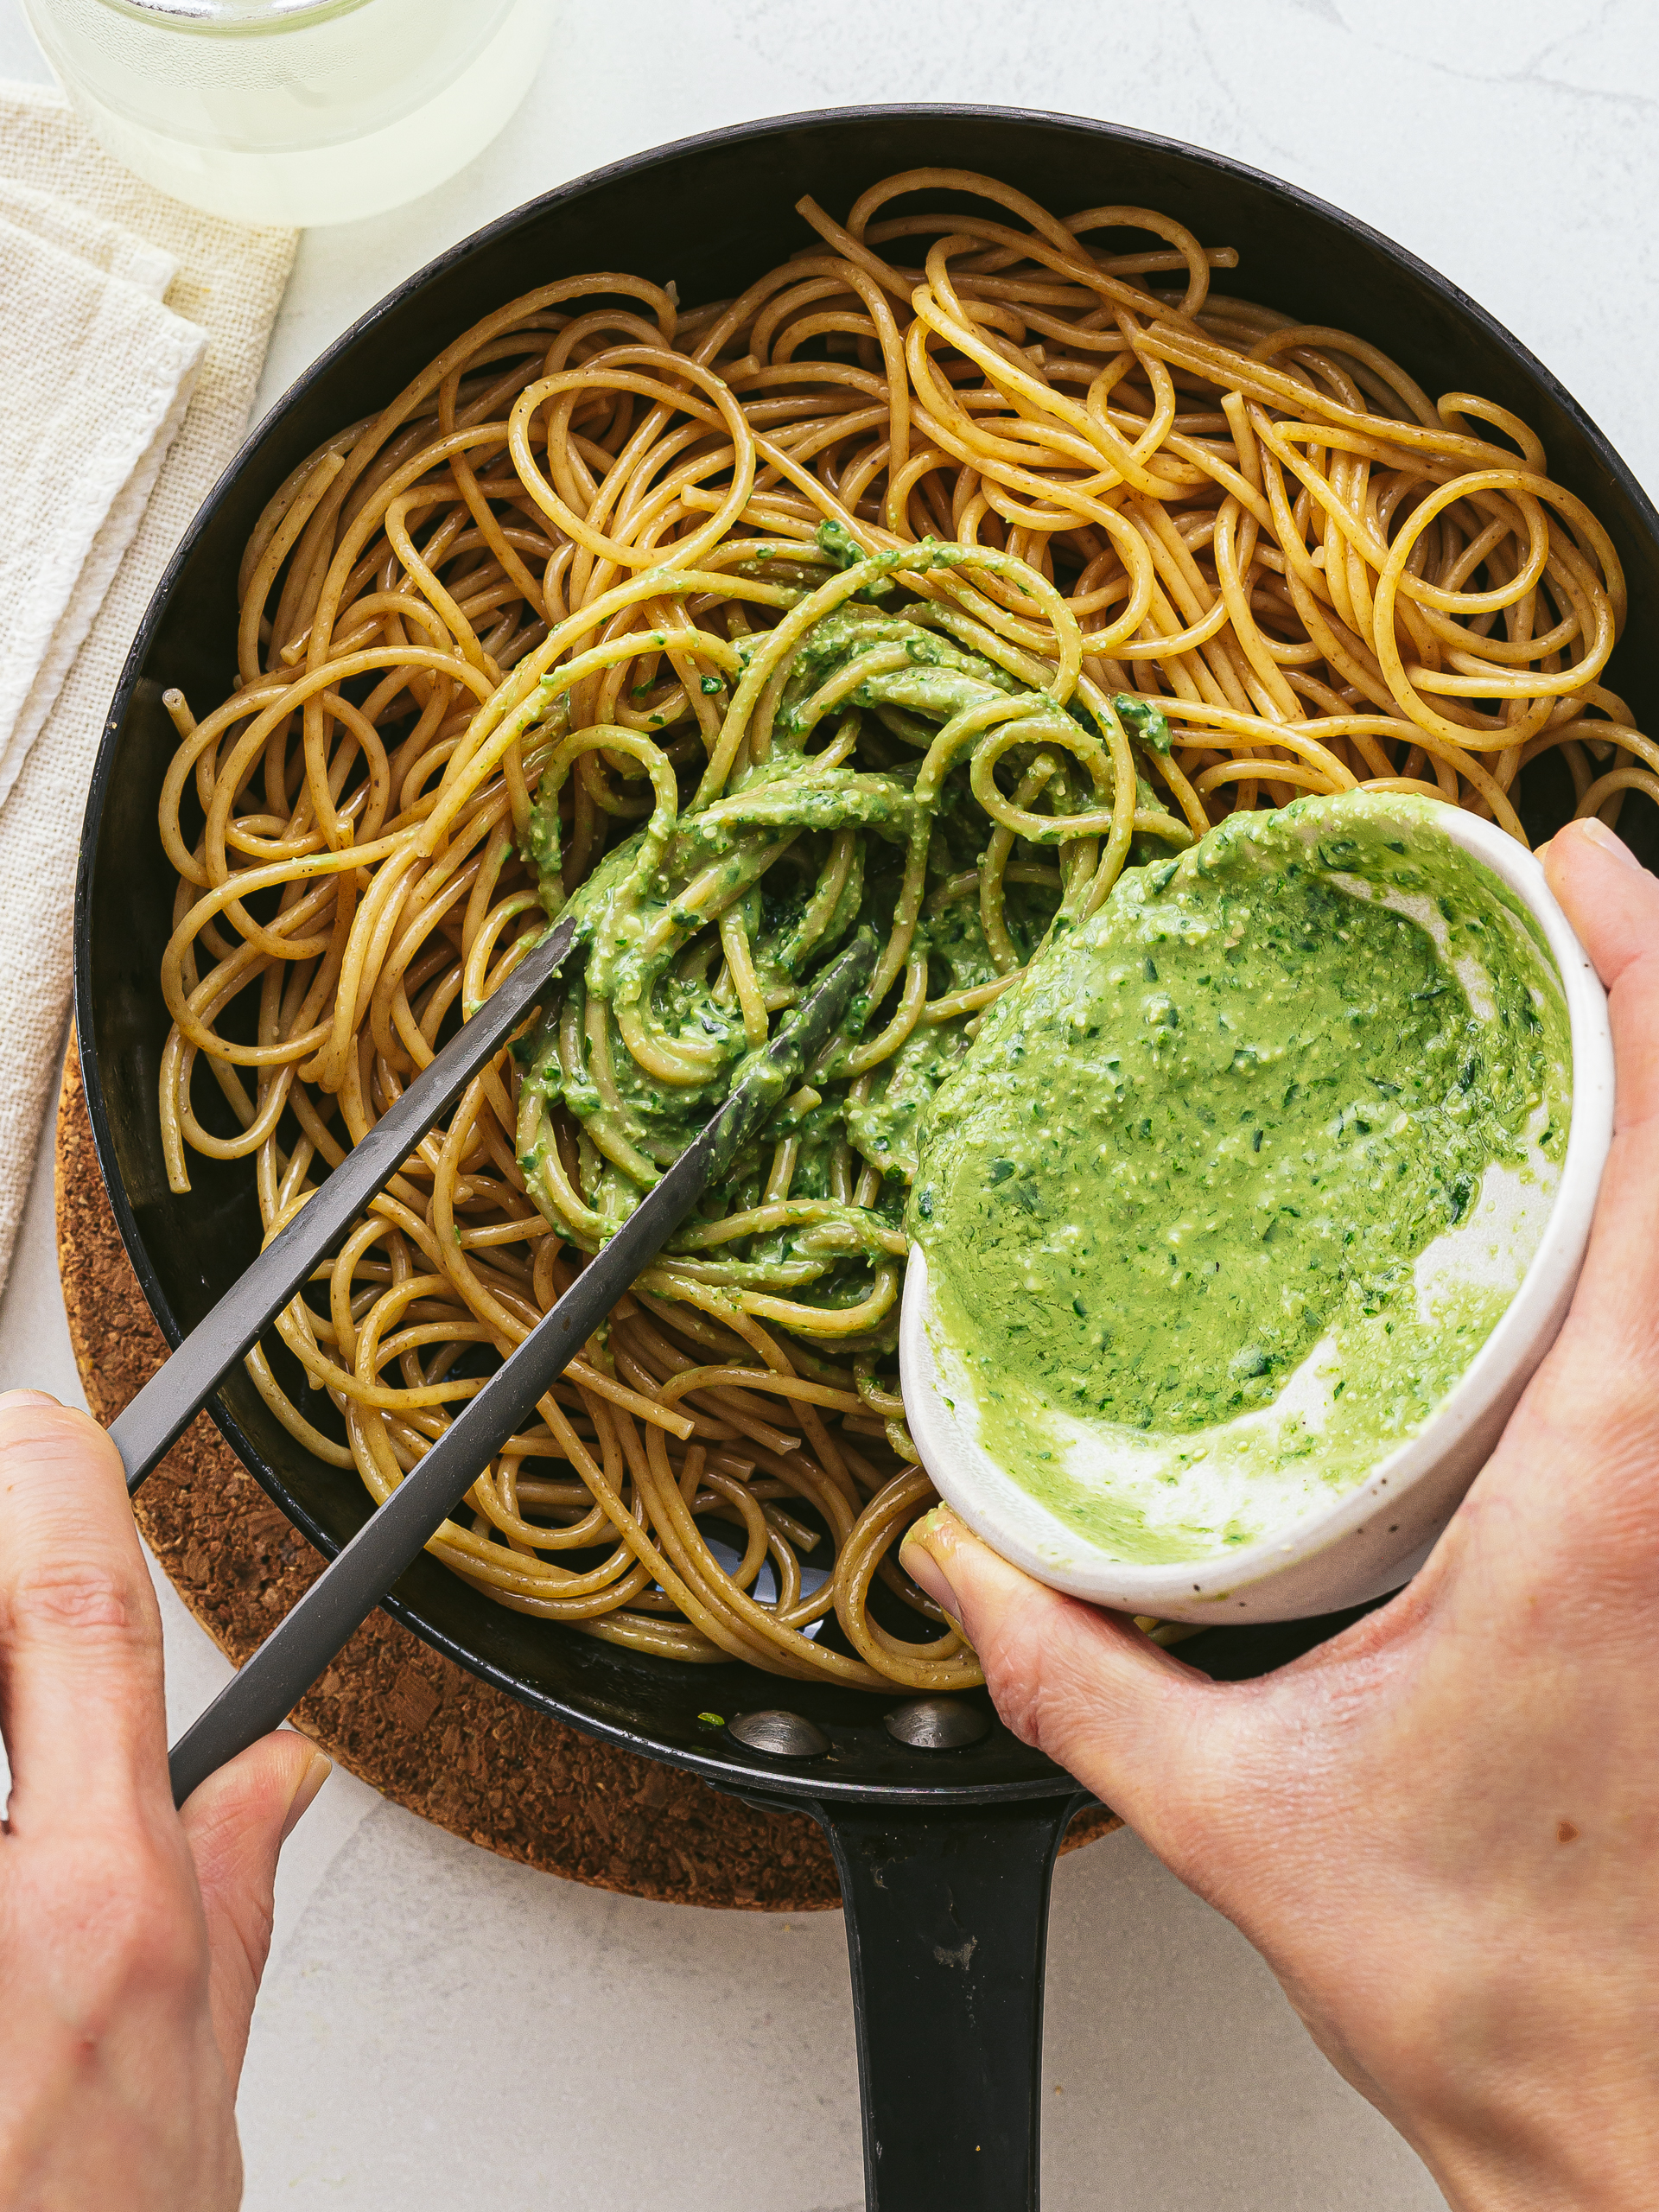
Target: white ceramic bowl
[(1372, 1538)]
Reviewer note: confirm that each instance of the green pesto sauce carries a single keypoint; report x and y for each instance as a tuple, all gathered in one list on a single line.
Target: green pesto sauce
[(1228, 1192), (761, 851)]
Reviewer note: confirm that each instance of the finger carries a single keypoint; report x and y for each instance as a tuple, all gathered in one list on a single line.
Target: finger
[(1613, 904), (1085, 1685), (236, 1824), (80, 1637)]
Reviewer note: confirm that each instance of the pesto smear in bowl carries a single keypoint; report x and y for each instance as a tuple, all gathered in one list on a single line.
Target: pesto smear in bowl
[(1233, 1185)]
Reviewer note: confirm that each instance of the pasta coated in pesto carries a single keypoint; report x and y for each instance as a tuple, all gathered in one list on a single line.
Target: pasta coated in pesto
[(965, 558)]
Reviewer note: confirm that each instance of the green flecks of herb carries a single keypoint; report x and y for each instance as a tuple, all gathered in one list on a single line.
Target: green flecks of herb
[(837, 541), (711, 684), (1148, 723), (834, 539), (1001, 1170), (1151, 968)]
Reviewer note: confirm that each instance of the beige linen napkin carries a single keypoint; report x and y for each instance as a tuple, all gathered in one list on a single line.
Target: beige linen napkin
[(63, 200), (96, 375), (78, 230)]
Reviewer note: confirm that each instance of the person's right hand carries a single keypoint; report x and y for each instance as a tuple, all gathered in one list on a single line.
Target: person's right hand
[(131, 1937), (1440, 1828)]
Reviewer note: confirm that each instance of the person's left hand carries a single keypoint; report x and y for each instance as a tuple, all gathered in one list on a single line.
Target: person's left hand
[(132, 1937)]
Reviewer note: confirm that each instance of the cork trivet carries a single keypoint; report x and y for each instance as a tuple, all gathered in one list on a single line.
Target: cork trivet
[(396, 1714)]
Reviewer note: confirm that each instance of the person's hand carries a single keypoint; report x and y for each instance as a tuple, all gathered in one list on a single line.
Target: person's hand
[(1441, 1829), (131, 1937)]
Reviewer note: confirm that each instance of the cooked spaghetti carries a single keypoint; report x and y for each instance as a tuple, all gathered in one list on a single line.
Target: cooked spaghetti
[(924, 598)]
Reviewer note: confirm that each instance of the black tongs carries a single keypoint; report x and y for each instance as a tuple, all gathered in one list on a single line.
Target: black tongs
[(299, 1648)]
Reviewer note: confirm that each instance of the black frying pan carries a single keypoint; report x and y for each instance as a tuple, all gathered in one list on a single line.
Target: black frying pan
[(944, 1855)]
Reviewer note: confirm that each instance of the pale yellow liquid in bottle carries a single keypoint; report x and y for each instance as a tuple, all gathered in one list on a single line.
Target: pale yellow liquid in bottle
[(294, 111)]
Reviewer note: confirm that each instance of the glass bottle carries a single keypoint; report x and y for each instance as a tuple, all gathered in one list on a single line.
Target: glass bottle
[(294, 111)]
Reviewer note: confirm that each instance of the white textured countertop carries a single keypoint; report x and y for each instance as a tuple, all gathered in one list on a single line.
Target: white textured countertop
[(442, 2029)]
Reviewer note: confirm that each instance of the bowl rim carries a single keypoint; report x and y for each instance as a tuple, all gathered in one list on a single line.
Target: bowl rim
[(1468, 311), (1024, 1530)]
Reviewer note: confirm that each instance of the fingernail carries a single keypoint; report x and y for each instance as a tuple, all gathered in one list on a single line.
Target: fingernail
[(925, 1567), (1598, 833), (27, 1398), (316, 1771)]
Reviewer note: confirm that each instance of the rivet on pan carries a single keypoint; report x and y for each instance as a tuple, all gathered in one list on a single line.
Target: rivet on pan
[(937, 1724), (783, 1735)]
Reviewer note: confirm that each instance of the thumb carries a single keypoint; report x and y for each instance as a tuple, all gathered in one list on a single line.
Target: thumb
[(1613, 905), (1134, 1724), (235, 1824)]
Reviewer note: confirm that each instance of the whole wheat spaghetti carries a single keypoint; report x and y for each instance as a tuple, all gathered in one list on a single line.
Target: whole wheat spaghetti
[(960, 563)]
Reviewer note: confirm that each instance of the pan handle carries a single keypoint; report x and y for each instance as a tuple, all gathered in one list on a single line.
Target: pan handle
[(947, 1924)]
